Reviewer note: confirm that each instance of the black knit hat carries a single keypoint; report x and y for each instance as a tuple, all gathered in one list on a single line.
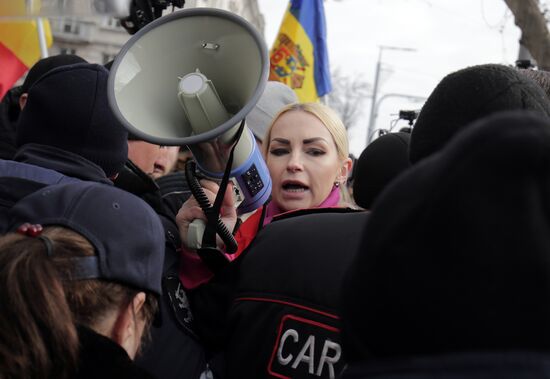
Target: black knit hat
[(68, 109), (456, 253), (46, 64), (470, 94), (125, 232), (380, 163)]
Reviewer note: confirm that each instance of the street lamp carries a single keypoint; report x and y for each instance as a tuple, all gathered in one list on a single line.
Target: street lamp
[(372, 115)]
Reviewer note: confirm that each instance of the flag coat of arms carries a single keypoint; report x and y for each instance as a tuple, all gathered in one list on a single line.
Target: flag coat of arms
[(299, 56), (19, 45)]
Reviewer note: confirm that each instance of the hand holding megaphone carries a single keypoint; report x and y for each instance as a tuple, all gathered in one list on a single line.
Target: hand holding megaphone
[(191, 212), (190, 79)]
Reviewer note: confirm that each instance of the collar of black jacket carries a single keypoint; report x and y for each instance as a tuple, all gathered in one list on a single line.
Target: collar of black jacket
[(62, 161), (100, 357), (132, 179)]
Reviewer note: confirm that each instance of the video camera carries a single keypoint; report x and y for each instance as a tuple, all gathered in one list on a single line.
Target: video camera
[(143, 12), (409, 116)]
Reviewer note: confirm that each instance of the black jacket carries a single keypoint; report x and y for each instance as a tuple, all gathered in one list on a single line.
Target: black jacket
[(174, 350), (102, 358), (511, 365), (36, 166), (9, 113), (62, 161), (285, 297)]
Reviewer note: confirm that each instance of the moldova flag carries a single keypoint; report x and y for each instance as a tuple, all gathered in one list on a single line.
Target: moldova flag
[(299, 55), (19, 45)]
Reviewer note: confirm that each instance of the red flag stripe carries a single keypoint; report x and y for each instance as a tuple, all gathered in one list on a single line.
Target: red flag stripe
[(12, 69)]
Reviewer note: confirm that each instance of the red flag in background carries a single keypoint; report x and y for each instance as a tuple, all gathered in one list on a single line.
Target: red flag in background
[(19, 44)]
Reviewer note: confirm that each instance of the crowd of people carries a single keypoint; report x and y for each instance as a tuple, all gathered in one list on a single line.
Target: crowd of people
[(424, 258)]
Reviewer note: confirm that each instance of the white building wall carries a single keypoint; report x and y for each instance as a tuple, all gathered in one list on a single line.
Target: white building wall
[(98, 39)]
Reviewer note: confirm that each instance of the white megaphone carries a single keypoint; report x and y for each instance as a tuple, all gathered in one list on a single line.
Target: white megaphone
[(190, 78)]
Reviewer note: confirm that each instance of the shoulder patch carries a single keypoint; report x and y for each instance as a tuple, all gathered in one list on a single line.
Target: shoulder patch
[(307, 349), (179, 304)]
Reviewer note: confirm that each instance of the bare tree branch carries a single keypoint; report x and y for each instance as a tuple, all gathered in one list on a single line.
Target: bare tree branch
[(534, 30), (347, 96)]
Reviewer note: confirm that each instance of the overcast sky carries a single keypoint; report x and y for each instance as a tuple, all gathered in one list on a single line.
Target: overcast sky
[(447, 34)]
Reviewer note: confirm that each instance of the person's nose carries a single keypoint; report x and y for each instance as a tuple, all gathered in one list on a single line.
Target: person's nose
[(295, 162)]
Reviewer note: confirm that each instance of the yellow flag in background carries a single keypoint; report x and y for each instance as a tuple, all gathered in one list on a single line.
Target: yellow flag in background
[(19, 44), (299, 56)]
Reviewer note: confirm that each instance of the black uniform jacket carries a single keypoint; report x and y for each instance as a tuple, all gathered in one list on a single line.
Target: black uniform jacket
[(282, 298), (174, 351), (102, 358)]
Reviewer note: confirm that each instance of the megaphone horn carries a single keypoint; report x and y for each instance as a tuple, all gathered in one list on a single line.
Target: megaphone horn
[(190, 78)]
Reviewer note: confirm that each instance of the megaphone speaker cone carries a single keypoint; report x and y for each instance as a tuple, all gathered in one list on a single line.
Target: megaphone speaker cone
[(145, 76), (190, 78)]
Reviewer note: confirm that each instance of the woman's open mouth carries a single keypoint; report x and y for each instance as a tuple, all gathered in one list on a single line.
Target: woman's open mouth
[(295, 187)]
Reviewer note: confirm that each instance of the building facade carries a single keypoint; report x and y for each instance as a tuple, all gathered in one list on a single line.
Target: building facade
[(99, 39)]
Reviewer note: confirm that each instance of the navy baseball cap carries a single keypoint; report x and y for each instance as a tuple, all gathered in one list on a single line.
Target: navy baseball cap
[(126, 233)]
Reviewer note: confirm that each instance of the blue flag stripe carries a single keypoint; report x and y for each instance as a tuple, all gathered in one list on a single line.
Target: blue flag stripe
[(310, 14)]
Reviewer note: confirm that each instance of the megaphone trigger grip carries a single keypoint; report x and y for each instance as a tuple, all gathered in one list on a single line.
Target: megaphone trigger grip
[(198, 229)]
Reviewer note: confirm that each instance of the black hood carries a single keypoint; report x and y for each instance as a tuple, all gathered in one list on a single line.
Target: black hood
[(456, 254)]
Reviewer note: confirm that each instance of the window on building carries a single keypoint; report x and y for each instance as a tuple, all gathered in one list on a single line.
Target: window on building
[(111, 22), (67, 50), (71, 26)]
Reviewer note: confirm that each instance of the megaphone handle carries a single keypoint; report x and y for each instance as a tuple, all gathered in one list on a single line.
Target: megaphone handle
[(212, 212), (199, 227), (195, 233), (196, 230)]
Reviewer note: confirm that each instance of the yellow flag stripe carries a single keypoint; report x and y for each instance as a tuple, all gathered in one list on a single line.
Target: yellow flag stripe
[(21, 37), (292, 59)]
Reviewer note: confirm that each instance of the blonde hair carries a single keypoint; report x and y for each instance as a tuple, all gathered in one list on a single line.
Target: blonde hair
[(326, 115)]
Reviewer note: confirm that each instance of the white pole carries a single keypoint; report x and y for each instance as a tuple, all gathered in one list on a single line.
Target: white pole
[(42, 37), (29, 5), (372, 117)]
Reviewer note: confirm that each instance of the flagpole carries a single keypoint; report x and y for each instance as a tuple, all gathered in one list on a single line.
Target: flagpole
[(29, 4), (42, 37)]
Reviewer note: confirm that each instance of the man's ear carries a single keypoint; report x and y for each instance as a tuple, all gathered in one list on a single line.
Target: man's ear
[(125, 329), (23, 100)]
